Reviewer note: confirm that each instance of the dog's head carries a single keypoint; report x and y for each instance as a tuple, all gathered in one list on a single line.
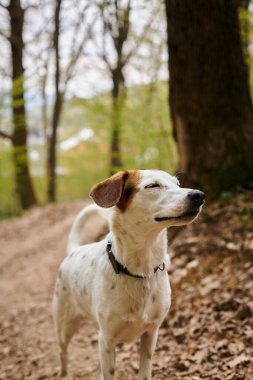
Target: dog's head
[(149, 196)]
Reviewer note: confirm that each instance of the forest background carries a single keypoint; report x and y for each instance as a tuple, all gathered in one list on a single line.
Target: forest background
[(84, 93), (88, 88)]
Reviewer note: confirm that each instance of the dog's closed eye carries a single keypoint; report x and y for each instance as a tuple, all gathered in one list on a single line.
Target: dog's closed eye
[(152, 185)]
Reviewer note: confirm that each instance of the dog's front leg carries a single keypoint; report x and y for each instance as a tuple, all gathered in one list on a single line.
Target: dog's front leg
[(106, 358), (148, 343)]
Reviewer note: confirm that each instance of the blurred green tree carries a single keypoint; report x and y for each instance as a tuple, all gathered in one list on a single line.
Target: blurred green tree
[(209, 94), (18, 137), (63, 73), (115, 17), (120, 43)]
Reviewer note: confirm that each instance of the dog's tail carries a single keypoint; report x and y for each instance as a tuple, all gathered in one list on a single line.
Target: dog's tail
[(74, 240)]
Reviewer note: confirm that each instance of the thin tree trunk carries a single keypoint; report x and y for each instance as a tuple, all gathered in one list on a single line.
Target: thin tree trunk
[(116, 24), (115, 161), (117, 105), (209, 94), (44, 113), (24, 186), (52, 154)]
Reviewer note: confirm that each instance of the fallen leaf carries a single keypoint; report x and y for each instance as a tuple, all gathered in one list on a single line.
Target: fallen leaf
[(240, 359)]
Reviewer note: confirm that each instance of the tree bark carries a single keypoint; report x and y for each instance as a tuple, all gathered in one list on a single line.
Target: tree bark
[(52, 154), (209, 94), (117, 105), (24, 186)]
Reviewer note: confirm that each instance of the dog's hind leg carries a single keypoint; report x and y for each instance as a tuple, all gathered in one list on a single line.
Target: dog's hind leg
[(148, 343), (66, 323)]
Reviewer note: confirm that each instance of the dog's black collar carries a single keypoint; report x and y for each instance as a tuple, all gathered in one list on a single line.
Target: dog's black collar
[(119, 268)]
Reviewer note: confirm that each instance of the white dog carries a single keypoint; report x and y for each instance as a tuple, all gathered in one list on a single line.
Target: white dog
[(122, 281)]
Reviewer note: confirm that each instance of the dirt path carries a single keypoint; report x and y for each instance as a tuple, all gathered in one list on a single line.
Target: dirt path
[(31, 249), (209, 327)]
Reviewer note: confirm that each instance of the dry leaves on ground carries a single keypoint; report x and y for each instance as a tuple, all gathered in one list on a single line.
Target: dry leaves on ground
[(208, 333)]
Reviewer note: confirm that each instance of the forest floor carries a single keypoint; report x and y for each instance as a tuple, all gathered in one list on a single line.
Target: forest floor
[(208, 333)]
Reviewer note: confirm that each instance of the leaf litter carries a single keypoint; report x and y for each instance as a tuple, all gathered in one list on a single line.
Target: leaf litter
[(208, 333)]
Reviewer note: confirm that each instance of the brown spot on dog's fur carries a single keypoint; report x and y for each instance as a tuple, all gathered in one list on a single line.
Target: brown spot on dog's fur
[(113, 286), (131, 310), (129, 190), (153, 297), (149, 355), (112, 371)]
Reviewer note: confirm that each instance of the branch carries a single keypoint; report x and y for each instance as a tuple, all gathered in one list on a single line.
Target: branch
[(41, 31), (4, 6), (75, 54), (117, 27), (107, 26), (79, 23), (140, 40), (102, 55), (5, 135), (78, 50), (37, 6), (4, 36), (4, 72)]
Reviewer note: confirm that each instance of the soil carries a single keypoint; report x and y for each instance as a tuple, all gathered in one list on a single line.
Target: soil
[(208, 333)]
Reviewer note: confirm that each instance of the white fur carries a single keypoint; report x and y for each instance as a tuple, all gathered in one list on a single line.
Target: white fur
[(122, 307)]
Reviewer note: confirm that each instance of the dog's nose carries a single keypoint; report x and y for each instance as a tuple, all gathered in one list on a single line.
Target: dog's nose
[(196, 197)]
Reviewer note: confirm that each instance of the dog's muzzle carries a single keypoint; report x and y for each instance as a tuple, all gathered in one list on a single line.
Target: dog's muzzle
[(196, 198)]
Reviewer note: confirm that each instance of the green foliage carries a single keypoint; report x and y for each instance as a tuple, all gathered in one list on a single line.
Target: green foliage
[(146, 143), (147, 132), (146, 138), (8, 200)]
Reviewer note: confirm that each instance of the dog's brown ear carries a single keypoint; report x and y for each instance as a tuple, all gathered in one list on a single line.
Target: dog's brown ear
[(108, 193)]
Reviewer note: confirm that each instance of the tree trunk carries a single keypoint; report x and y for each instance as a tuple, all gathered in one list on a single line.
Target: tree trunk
[(24, 186), (117, 104), (52, 154), (116, 24), (209, 94), (115, 160)]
